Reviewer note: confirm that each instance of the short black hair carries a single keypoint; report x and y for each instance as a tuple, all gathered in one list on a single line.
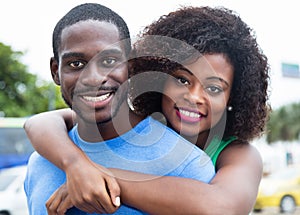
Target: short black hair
[(90, 11)]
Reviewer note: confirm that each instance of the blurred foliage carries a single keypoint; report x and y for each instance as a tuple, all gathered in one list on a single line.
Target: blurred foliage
[(22, 93), (284, 123)]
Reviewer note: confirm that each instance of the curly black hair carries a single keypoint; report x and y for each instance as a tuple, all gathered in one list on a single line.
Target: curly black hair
[(209, 31)]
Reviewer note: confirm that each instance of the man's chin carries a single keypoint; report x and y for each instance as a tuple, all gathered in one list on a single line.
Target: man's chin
[(94, 117)]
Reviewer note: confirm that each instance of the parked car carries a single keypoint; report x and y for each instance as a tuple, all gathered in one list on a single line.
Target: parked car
[(12, 195), (280, 189), (15, 147)]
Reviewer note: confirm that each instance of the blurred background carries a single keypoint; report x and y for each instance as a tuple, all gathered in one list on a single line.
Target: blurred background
[(26, 86)]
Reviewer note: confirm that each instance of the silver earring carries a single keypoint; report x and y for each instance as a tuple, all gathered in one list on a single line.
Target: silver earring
[(229, 108)]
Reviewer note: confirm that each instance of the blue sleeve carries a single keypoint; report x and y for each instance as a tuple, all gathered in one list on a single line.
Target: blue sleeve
[(200, 167)]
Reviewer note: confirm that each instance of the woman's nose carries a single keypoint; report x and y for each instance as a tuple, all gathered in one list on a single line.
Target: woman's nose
[(195, 95)]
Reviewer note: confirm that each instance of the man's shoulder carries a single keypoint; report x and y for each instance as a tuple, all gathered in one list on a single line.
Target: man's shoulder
[(34, 158), (36, 161), (158, 126), (155, 132), (39, 168), (153, 124)]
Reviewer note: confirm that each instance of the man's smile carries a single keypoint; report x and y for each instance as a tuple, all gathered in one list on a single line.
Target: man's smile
[(97, 98)]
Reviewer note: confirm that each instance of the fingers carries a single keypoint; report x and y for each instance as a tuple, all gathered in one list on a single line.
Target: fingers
[(60, 202), (93, 190), (104, 197), (55, 200), (114, 191), (64, 206), (102, 194), (117, 201), (100, 199), (89, 204)]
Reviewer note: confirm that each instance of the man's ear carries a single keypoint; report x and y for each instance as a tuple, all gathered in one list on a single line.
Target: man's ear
[(54, 70)]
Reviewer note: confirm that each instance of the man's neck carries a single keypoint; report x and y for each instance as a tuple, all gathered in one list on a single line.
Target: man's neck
[(121, 123)]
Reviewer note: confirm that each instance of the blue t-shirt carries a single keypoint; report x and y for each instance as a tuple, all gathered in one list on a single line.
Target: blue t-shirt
[(150, 147)]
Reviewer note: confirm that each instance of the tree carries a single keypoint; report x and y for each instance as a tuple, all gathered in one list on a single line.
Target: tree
[(22, 93), (284, 124)]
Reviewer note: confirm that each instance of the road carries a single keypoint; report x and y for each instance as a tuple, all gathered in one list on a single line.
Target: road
[(275, 211)]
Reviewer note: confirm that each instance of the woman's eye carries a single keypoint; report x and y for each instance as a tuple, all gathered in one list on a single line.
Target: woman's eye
[(76, 64), (182, 81), (214, 89)]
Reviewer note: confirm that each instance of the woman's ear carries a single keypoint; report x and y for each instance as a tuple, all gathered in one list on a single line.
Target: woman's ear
[(54, 70)]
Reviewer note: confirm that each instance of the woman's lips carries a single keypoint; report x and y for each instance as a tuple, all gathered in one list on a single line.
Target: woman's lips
[(189, 116)]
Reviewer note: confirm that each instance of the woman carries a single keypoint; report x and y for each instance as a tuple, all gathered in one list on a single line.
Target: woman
[(216, 97)]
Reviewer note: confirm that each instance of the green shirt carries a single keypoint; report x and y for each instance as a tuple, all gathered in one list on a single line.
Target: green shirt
[(216, 146)]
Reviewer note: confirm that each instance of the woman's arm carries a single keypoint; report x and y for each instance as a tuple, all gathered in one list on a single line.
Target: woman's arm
[(54, 126), (48, 133), (232, 191)]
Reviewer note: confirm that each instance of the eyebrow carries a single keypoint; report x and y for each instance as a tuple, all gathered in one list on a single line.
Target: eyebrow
[(185, 69), (219, 79), (111, 51), (71, 54), (101, 53), (209, 78)]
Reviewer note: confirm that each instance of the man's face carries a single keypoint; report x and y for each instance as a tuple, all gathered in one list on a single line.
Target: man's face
[(92, 67)]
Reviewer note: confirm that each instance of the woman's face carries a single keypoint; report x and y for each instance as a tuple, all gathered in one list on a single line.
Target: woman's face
[(195, 97)]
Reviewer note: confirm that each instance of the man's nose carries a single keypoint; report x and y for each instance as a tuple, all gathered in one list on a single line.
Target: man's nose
[(93, 75)]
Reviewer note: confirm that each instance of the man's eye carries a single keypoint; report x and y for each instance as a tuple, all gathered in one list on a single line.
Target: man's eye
[(76, 64), (109, 61)]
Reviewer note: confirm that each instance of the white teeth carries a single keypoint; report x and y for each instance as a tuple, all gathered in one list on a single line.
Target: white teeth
[(189, 114), (97, 98)]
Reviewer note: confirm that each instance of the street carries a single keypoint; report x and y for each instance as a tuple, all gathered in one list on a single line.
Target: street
[(275, 211)]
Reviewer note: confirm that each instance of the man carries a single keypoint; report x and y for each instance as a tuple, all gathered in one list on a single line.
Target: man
[(91, 45)]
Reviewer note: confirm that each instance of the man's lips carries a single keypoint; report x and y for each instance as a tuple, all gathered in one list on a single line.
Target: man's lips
[(96, 98)]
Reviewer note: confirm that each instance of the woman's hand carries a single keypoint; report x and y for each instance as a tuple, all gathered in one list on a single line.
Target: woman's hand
[(89, 187), (92, 188)]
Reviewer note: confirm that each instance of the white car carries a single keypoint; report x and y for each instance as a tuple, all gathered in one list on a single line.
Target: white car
[(12, 195)]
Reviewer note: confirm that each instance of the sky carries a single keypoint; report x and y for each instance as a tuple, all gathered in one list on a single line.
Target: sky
[(27, 25)]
